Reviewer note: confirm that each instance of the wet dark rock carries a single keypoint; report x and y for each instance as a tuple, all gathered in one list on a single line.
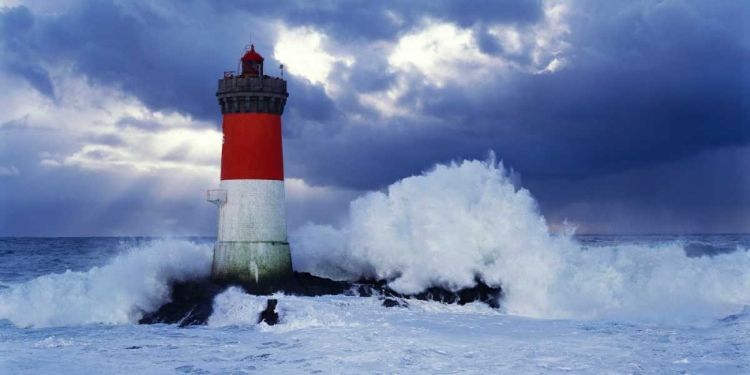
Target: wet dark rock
[(390, 302), (306, 284), (191, 304), (269, 315), (192, 301), (480, 292)]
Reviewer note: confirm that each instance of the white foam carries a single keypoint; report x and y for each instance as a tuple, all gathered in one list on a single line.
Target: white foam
[(465, 219), (120, 292), (235, 307), (57, 342)]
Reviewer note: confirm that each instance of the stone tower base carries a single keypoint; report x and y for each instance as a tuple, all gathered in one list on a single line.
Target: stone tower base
[(261, 267)]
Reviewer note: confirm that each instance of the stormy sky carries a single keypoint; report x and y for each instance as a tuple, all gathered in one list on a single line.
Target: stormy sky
[(620, 116)]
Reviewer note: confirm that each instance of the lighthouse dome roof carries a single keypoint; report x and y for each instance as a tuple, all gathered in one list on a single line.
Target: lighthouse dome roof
[(251, 55)]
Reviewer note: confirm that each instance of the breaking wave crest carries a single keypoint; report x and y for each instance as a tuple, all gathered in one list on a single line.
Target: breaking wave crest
[(463, 220), (445, 228), (120, 292)]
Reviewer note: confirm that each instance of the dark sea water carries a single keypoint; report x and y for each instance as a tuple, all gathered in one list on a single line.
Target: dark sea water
[(24, 258), (634, 305)]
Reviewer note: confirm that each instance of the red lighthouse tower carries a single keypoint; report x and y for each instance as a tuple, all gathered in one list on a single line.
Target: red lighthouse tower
[(251, 248)]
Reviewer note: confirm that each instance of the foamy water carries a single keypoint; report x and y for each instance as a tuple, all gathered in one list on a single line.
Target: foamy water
[(443, 228), (638, 305), (135, 282), (465, 219)]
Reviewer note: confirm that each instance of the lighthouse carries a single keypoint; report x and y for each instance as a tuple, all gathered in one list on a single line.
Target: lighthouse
[(251, 247)]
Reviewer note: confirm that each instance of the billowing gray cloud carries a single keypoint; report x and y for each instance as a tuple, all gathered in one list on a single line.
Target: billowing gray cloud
[(584, 103), (361, 19), (18, 47), (647, 85)]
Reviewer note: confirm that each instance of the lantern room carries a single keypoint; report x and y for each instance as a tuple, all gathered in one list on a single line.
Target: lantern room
[(252, 63)]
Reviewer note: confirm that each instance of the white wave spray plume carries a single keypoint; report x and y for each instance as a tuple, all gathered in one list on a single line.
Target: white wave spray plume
[(119, 292), (466, 220)]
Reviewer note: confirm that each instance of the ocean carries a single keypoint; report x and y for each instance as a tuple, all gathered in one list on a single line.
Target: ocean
[(70, 305), (572, 304)]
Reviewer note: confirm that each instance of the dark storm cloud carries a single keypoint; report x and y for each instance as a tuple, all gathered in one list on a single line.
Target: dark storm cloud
[(310, 101), (706, 193), (384, 20), (153, 55), (18, 49), (172, 62), (369, 157), (647, 84)]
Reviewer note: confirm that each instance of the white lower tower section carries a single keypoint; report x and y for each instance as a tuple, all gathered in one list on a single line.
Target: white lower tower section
[(254, 211), (252, 246)]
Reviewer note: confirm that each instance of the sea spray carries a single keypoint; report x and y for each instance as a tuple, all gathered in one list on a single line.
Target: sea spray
[(446, 228), (233, 307), (442, 229), (132, 283), (465, 220)]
